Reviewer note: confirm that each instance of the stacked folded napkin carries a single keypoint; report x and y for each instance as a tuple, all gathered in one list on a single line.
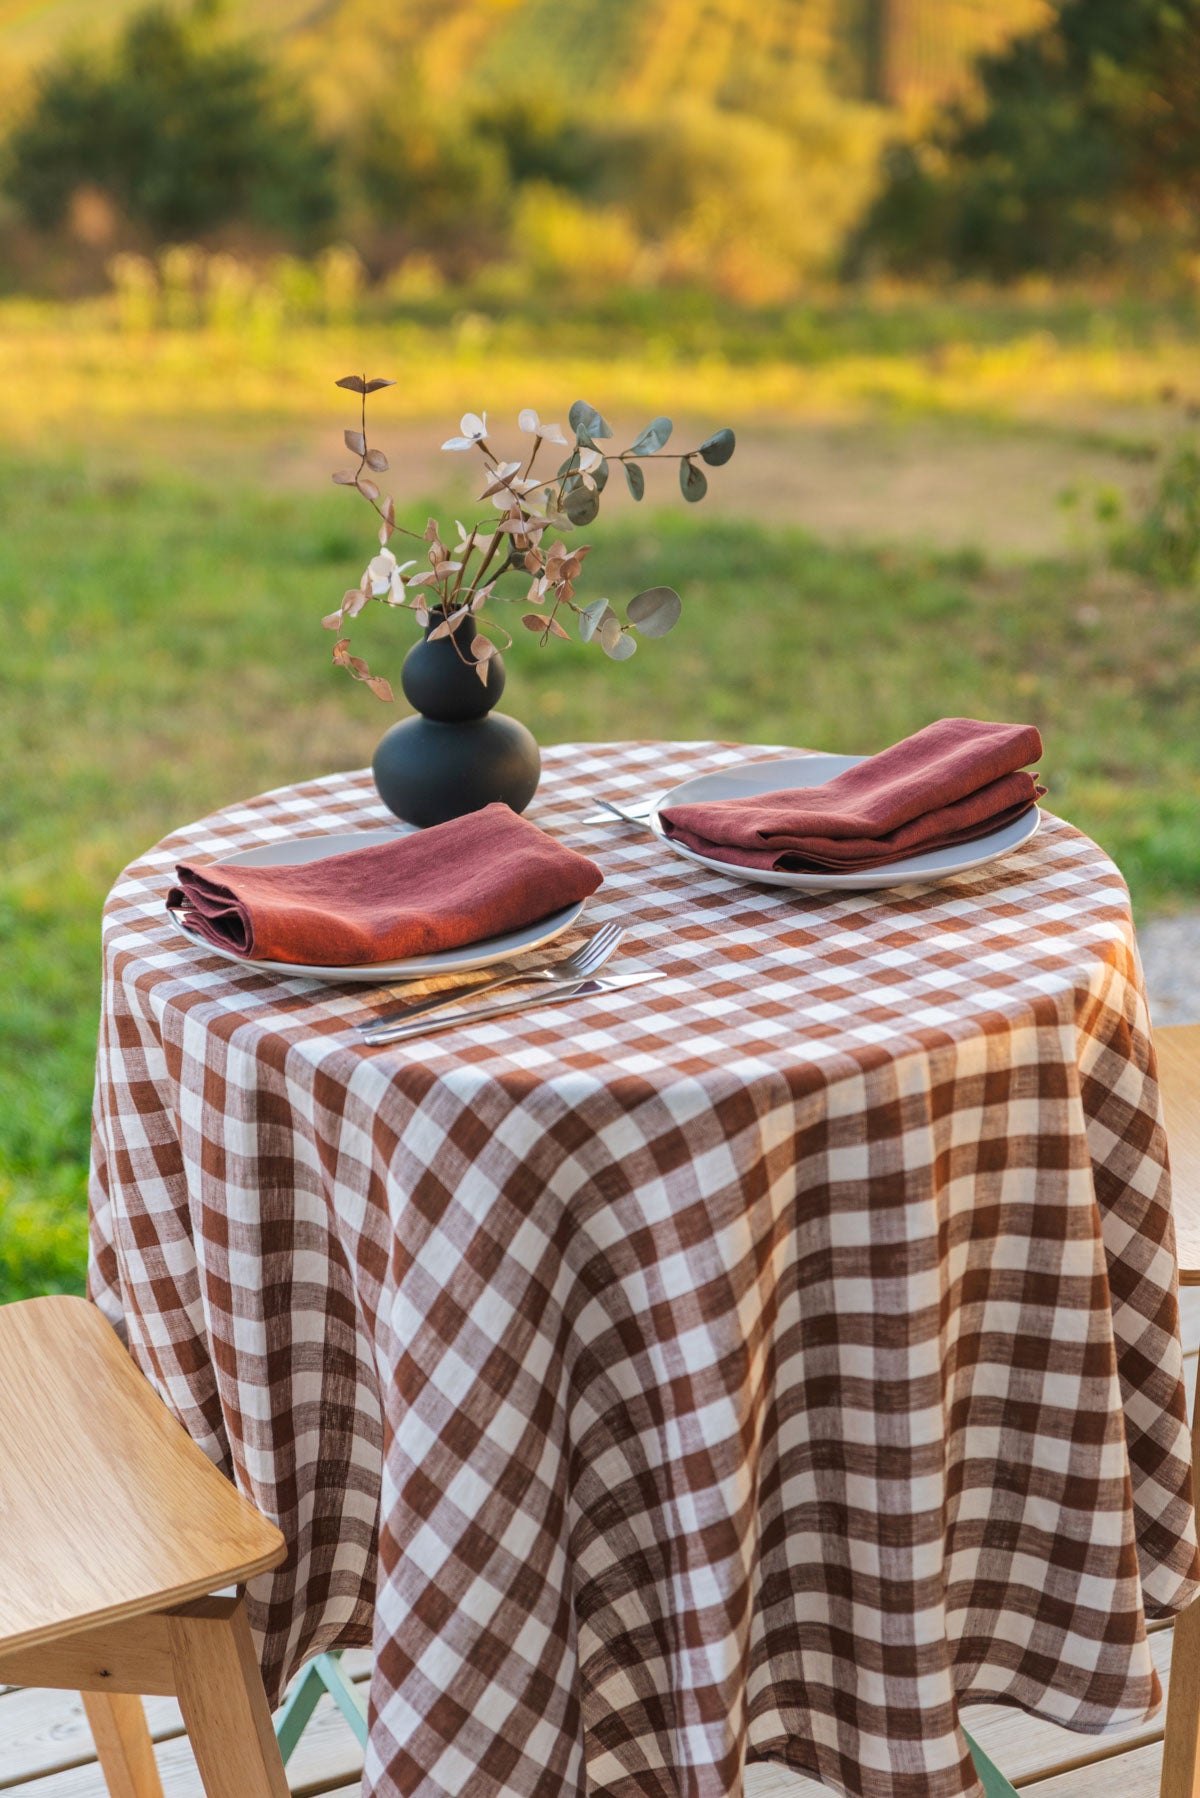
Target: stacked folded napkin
[(456, 883), (953, 781)]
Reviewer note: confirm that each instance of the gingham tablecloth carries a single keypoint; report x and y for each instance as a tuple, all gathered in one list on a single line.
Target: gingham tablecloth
[(761, 1364)]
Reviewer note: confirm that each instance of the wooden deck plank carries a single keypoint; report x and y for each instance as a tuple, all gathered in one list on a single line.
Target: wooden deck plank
[(45, 1732), (1132, 1775), (49, 1731), (326, 1758)]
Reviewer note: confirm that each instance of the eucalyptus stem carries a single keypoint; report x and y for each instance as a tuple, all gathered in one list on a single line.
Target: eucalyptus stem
[(553, 566)]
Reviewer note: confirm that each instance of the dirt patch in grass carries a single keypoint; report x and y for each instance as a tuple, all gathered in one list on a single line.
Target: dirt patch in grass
[(942, 484)]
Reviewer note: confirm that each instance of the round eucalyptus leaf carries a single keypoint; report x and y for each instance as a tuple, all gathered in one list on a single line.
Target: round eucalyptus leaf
[(718, 448), (656, 434), (585, 418), (610, 631), (592, 617), (600, 474), (635, 480), (581, 505), (693, 482), (656, 611), (622, 648)]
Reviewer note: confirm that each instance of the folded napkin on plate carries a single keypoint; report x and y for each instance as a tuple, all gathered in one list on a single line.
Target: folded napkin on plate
[(455, 883), (953, 781)]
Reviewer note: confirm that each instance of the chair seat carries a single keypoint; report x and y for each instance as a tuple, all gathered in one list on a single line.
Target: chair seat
[(1178, 1050), (108, 1509)]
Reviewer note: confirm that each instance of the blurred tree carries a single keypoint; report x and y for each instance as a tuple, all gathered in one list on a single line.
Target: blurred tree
[(431, 184), (1084, 140), (539, 141), (181, 130), (751, 203)]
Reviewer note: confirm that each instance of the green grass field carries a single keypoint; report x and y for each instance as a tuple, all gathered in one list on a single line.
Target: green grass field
[(169, 541), (164, 656)]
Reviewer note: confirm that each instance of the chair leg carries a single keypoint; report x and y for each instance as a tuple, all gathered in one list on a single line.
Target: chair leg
[(224, 1706), (1181, 1744), (123, 1745)]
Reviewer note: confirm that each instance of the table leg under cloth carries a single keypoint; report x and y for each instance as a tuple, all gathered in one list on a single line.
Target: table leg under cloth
[(725, 1402)]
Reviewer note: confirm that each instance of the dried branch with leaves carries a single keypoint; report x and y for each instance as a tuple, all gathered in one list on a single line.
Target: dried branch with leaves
[(524, 538)]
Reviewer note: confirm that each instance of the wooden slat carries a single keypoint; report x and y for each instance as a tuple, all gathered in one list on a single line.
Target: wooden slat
[(46, 1732), (1189, 1318), (1133, 1775), (357, 1662), (327, 1758)]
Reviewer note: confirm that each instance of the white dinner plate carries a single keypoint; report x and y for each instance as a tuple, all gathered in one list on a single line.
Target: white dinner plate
[(753, 778), (291, 851)]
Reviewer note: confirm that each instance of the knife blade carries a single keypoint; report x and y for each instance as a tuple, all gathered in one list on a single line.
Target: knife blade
[(639, 809), (594, 988)]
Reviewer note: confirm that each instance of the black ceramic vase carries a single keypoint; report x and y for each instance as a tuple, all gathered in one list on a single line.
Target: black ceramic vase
[(457, 754)]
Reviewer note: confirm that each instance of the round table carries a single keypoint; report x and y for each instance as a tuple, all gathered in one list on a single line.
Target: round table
[(762, 1363)]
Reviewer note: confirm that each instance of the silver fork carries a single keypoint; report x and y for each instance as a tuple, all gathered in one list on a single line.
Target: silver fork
[(592, 955)]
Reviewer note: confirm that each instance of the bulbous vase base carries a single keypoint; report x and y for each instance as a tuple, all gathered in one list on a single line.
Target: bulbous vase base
[(427, 772)]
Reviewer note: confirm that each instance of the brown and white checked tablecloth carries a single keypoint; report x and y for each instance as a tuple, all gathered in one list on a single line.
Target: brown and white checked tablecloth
[(760, 1364)]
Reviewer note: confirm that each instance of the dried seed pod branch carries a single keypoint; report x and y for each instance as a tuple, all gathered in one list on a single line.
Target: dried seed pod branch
[(451, 593)]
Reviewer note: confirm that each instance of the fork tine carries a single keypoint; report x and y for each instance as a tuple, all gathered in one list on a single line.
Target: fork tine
[(604, 939), (583, 957), (599, 948)]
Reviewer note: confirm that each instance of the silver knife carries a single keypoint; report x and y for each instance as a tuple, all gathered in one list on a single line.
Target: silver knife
[(528, 1001), (638, 812)]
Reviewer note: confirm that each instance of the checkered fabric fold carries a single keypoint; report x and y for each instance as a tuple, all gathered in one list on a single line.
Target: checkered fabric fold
[(762, 1363)]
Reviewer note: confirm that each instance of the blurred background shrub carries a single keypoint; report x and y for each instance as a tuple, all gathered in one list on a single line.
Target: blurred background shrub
[(1078, 150), (171, 131), (751, 149)]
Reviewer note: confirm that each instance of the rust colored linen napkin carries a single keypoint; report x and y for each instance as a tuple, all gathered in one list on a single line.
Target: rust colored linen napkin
[(953, 781), (455, 883)]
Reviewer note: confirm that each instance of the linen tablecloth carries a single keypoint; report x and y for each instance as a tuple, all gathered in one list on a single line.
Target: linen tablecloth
[(760, 1364)]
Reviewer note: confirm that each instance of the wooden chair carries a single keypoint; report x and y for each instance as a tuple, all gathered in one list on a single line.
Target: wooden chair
[(115, 1529), (1178, 1048)]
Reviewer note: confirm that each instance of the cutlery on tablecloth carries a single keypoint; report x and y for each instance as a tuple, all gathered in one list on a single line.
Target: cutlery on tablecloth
[(638, 813), (589, 958), (594, 988)]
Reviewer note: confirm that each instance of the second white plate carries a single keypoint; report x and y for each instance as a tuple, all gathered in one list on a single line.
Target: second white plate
[(292, 851), (753, 778)]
